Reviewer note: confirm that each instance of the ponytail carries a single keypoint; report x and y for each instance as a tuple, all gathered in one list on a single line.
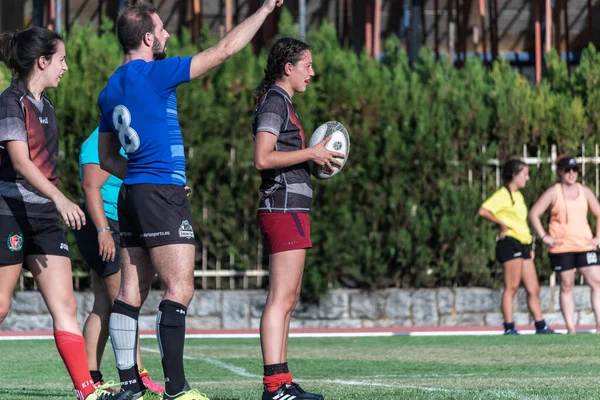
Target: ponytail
[(21, 50), (285, 50)]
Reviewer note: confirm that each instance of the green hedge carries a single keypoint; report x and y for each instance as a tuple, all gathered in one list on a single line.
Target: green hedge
[(403, 212)]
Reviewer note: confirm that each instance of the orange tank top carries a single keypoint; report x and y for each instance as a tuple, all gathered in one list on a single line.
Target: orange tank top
[(569, 223)]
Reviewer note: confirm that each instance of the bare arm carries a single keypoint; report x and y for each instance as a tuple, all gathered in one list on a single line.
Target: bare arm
[(233, 42), (19, 156), (594, 207), (266, 157), (111, 160), (487, 214), (539, 208), (93, 179)]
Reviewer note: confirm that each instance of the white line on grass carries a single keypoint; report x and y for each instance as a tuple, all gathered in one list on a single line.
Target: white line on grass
[(424, 376), (382, 385), (231, 368), (245, 373)]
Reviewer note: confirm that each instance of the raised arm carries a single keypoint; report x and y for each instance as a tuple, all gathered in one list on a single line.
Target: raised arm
[(111, 160), (233, 42), (18, 152)]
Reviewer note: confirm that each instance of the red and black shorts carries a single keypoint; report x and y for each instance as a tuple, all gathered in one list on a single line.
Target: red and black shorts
[(153, 215), (285, 231), (25, 236)]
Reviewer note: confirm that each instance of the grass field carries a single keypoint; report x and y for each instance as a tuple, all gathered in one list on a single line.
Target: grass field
[(383, 368)]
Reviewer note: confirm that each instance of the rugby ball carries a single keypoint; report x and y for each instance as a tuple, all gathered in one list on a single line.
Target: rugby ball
[(340, 142)]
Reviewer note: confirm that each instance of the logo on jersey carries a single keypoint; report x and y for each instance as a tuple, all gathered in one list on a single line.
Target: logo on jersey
[(592, 258), (186, 230), (15, 241), (43, 121)]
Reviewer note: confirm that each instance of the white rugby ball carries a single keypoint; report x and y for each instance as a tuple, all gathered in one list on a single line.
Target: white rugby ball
[(340, 142)]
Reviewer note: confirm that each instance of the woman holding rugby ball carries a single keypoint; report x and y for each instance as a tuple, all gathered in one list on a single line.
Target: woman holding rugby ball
[(507, 208), (281, 157)]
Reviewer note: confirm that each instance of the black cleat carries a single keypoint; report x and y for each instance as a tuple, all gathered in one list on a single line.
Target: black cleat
[(314, 396), (545, 331), (288, 392)]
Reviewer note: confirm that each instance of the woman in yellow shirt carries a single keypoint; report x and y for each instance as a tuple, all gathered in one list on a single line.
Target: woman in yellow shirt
[(506, 208), (569, 238)]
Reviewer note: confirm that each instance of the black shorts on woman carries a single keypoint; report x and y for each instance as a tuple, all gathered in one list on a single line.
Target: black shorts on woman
[(87, 242), (509, 248), (567, 261)]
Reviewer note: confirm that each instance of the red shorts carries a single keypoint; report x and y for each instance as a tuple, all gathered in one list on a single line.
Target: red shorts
[(285, 231)]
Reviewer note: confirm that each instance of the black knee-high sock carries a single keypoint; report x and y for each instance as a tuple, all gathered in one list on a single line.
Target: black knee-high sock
[(123, 327), (96, 376), (170, 331)]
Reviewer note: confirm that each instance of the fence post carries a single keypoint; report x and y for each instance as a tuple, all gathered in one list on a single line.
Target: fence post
[(259, 255), (497, 170), (218, 279), (231, 263), (582, 163), (596, 165), (204, 250), (483, 174), (553, 157)]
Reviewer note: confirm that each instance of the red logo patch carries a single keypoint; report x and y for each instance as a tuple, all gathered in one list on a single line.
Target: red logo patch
[(15, 241)]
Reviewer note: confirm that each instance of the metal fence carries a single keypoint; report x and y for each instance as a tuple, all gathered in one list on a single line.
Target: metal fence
[(219, 274)]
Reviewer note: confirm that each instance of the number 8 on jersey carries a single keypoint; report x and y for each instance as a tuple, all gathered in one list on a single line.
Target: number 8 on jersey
[(127, 135)]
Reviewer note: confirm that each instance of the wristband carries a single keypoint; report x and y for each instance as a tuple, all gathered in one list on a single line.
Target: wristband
[(104, 229)]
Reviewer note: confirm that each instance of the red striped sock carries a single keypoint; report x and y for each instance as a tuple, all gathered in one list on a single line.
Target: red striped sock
[(71, 348), (274, 382)]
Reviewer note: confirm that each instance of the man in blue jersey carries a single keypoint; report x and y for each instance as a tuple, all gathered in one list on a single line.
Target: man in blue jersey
[(138, 111)]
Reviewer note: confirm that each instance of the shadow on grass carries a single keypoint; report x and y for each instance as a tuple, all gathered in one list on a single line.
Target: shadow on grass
[(32, 394), (225, 398)]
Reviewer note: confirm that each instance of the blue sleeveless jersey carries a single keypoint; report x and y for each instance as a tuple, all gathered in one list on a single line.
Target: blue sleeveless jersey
[(139, 105)]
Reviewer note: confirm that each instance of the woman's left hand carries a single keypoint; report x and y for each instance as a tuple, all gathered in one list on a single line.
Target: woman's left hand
[(595, 242)]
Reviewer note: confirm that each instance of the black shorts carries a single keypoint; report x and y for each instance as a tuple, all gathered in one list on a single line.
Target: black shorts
[(510, 248), (87, 241), (566, 261), (154, 215), (23, 236)]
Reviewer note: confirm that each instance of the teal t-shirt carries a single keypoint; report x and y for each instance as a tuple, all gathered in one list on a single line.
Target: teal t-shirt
[(110, 189)]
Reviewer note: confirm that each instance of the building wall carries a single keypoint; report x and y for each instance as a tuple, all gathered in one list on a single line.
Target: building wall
[(515, 19)]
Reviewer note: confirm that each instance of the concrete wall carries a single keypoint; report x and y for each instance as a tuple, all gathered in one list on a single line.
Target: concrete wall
[(339, 309)]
